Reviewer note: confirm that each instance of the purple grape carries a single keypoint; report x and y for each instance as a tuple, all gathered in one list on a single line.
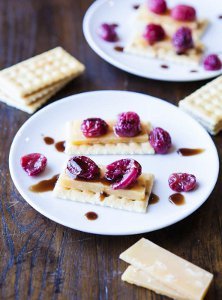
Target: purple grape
[(82, 167), (33, 163), (94, 127), (123, 173), (182, 182), (107, 32), (182, 40), (154, 33), (128, 125), (160, 140)]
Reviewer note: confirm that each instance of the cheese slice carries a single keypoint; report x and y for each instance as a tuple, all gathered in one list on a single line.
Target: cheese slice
[(172, 271), (141, 278), (76, 137), (136, 192)]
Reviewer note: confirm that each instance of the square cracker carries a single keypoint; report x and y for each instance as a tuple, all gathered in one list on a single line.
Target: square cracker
[(39, 72), (163, 50), (109, 201), (145, 16), (34, 105), (205, 105)]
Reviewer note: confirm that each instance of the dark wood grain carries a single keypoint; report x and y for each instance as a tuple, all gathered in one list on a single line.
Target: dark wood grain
[(40, 259)]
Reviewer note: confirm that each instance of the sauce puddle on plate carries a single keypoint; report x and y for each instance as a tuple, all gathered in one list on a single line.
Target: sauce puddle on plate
[(153, 198), (119, 48), (190, 151), (48, 140), (44, 185), (91, 216), (164, 67), (177, 199), (60, 146)]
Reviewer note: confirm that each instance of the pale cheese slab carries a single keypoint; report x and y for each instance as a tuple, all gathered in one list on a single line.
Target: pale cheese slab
[(176, 273)]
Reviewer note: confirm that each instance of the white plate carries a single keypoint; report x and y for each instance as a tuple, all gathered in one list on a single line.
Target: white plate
[(121, 12), (185, 132)]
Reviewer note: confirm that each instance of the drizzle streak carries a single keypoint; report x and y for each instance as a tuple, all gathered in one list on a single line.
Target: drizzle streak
[(189, 151), (44, 185), (177, 199)]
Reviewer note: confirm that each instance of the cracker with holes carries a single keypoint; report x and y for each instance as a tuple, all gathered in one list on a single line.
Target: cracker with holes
[(126, 135), (120, 185), (205, 105), (29, 84), (171, 36)]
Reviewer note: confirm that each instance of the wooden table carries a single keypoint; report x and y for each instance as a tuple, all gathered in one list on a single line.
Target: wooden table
[(40, 259)]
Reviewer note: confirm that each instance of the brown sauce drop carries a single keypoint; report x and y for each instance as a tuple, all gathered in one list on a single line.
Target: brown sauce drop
[(193, 71), (60, 146), (48, 140), (91, 215), (189, 151), (164, 67), (44, 185), (119, 48), (177, 199), (136, 6), (103, 196), (220, 17), (153, 199)]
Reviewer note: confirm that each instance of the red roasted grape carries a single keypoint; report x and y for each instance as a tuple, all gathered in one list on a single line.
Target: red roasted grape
[(183, 13), (108, 32), (94, 127), (157, 6), (82, 167), (160, 140), (182, 182), (123, 173), (182, 40), (153, 33), (33, 163), (212, 63), (128, 125)]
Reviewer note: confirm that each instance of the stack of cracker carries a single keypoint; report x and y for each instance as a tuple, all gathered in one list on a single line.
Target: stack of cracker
[(29, 84), (205, 105)]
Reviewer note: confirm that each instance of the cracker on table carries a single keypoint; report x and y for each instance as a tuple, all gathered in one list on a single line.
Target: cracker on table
[(39, 72), (205, 105), (33, 106), (110, 201)]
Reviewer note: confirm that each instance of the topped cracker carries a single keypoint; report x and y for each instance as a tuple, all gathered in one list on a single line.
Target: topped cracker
[(39, 72), (146, 16)]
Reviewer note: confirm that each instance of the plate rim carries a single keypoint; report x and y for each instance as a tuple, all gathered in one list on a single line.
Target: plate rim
[(102, 232), (93, 45)]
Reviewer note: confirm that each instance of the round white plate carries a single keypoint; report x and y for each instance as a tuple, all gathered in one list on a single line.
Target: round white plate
[(185, 132), (121, 12)]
